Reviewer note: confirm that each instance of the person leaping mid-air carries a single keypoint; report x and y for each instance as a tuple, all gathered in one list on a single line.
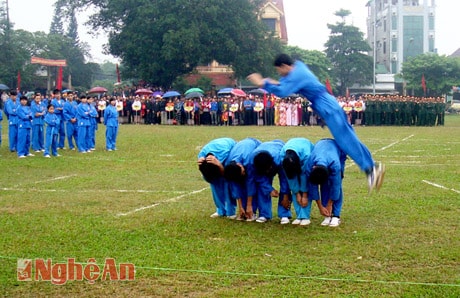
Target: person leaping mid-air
[(296, 77)]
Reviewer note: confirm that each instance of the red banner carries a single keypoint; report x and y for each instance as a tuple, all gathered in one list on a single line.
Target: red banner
[(328, 86), (19, 80), (423, 84), (48, 62), (59, 79)]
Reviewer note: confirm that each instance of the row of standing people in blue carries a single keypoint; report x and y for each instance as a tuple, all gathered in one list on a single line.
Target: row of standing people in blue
[(62, 117), (241, 176)]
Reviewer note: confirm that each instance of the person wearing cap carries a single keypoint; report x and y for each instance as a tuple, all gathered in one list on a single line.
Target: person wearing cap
[(24, 128), (295, 154), (325, 170), (111, 125), (296, 77), (211, 160)]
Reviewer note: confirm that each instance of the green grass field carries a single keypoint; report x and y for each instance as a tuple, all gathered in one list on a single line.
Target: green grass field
[(147, 204)]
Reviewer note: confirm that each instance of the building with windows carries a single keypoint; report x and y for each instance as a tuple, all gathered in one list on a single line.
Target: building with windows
[(272, 14), (399, 29)]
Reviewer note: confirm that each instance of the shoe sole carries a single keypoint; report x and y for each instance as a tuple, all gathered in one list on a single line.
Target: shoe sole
[(380, 178)]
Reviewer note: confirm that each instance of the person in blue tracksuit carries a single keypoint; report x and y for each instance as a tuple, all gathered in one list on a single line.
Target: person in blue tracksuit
[(52, 131), (83, 123), (11, 108), (70, 118), (295, 155), (111, 123), (296, 77), (211, 160), (38, 128), (24, 128), (264, 165), (58, 103), (325, 170), (91, 138), (235, 173)]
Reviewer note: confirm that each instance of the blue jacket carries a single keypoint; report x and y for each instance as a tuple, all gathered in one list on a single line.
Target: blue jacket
[(11, 108), (303, 147), (111, 116), (37, 108), (83, 116), (326, 153), (70, 110), (264, 183), (52, 121), (220, 148), (24, 117)]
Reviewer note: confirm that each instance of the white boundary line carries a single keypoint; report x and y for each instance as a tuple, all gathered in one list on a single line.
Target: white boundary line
[(441, 186), (91, 191), (161, 202), (383, 148)]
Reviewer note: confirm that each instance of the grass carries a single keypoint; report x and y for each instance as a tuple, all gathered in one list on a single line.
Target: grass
[(403, 241)]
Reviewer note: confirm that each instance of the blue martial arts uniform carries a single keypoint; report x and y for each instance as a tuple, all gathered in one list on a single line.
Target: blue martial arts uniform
[(220, 148), (71, 126), (240, 154), (59, 111), (111, 123), (260, 186), (301, 80), (91, 138), (303, 148), (24, 129), (52, 130), (38, 125), (328, 154), (11, 108), (83, 123)]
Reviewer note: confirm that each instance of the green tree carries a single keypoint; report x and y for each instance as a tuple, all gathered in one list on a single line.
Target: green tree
[(57, 25), (161, 40), (317, 61), (440, 72), (346, 49)]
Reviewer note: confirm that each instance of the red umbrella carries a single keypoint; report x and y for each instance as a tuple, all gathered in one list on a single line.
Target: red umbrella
[(144, 92), (97, 90), (238, 92)]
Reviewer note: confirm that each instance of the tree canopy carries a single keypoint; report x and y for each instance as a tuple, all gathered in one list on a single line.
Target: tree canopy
[(347, 50), (158, 41), (440, 72)]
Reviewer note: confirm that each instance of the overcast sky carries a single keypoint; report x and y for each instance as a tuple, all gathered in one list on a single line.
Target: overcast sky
[(306, 22)]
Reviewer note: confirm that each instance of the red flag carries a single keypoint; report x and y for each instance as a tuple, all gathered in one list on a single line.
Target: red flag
[(118, 75), (423, 83), (328, 86), (59, 79), (19, 80)]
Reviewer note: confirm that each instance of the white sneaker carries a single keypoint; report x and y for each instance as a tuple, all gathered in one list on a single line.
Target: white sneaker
[(254, 217), (47, 156), (214, 215), (326, 221), (375, 178), (30, 154), (305, 222), (296, 222), (261, 219), (231, 217), (22, 156), (335, 222), (284, 220)]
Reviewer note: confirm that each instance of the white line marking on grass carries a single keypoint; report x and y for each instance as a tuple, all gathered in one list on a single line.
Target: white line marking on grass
[(161, 202), (54, 179), (441, 186), (89, 191), (384, 148)]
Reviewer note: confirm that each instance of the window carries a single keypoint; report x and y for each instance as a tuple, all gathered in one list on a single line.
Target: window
[(271, 24)]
